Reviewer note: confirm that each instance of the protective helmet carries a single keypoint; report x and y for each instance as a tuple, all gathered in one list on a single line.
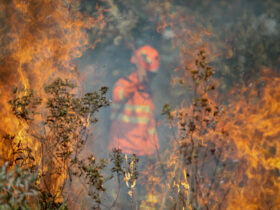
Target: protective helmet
[(147, 57)]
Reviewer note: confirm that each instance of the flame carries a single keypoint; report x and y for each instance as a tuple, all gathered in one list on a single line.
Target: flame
[(254, 128), (41, 40), (187, 38), (247, 131), (247, 137), (251, 146)]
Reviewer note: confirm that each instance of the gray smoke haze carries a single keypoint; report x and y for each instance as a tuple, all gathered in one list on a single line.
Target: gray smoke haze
[(244, 33)]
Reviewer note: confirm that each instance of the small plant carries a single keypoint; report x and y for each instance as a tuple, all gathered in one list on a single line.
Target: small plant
[(54, 132), (91, 171), (17, 188), (198, 141), (125, 168)]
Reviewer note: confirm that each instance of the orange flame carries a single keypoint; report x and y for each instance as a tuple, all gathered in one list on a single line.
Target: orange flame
[(41, 40), (253, 125), (250, 126)]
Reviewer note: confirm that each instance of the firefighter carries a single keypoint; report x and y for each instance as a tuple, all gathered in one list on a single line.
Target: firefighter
[(133, 128)]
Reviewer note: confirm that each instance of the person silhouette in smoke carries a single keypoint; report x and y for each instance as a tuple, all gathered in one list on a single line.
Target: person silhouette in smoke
[(133, 128)]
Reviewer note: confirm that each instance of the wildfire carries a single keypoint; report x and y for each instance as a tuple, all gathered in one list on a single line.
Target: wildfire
[(41, 39), (253, 125), (246, 135)]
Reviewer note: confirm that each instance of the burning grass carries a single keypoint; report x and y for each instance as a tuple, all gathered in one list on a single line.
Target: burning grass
[(220, 157)]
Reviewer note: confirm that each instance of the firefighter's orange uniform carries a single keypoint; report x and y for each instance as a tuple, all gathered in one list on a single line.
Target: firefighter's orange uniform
[(133, 127)]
